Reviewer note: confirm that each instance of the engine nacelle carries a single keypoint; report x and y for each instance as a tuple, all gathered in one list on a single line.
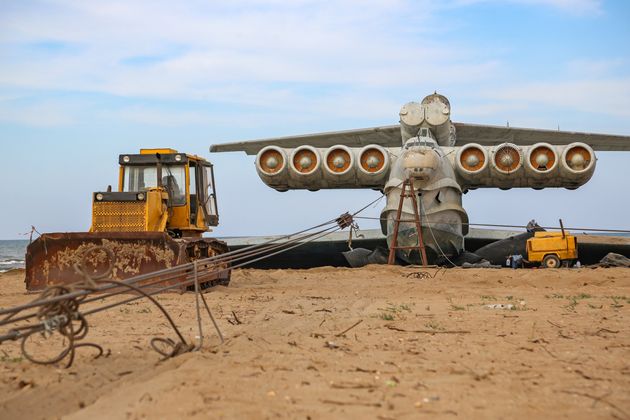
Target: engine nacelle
[(434, 112), (506, 161), (339, 165), (541, 161), (305, 166), (373, 165), (541, 165), (577, 164), (472, 163), (438, 116), (272, 167), (311, 168)]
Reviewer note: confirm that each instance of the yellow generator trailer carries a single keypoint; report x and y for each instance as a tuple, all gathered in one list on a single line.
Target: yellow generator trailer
[(552, 249), (165, 201)]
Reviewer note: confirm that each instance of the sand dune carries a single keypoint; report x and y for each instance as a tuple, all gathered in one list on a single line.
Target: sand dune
[(448, 346)]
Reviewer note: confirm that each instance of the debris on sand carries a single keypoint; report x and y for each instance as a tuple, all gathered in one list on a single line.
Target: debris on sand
[(614, 260), (508, 306), (481, 264)]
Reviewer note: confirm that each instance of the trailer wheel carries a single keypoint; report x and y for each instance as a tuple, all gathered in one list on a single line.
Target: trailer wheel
[(551, 261)]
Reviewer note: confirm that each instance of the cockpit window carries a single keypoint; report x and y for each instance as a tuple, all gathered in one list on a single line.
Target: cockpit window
[(425, 138), (420, 141)]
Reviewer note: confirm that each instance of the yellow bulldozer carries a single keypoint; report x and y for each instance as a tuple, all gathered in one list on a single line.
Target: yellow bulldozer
[(165, 201)]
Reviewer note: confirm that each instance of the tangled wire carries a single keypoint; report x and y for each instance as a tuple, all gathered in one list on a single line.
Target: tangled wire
[(60, 313), (422, 275), (62, 316)]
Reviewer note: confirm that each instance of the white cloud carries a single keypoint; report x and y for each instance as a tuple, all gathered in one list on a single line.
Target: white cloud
[(571, 6), (247, 52), (575, 7), (41, 114), (610, 97), (347, 59), (159, 117), (594, 68)]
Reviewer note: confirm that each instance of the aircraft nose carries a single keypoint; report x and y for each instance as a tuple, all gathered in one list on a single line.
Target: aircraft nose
[(421, 163)]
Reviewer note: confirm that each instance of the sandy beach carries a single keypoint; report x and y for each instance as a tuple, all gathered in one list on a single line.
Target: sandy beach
[(462, 344)]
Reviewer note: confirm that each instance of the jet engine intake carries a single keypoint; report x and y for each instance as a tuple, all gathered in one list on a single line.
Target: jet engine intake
[(577, 164), (305, 167), (373, 164), (507, 160), (472, 162), (541, 161), (271, 165), (339, 164)]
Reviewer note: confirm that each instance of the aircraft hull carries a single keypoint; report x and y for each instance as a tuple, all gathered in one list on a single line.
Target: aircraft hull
[(440, 239)]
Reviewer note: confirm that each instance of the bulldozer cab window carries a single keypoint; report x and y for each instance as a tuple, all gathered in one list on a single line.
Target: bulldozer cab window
[(139, 178), (174, 181), (211, 198), (192, 186)]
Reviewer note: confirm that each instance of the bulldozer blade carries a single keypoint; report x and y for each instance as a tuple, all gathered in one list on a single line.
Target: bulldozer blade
[(88, 257)]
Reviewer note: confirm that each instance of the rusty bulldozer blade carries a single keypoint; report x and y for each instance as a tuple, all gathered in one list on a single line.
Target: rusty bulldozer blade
[(86, 257)]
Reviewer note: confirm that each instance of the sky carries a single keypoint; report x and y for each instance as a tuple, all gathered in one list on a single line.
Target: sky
[(84, 81)]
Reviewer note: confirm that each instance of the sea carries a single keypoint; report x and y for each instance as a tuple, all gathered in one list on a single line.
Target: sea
[(12, 254)]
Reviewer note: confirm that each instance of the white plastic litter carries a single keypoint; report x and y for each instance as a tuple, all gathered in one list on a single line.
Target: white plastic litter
[(500, 306)]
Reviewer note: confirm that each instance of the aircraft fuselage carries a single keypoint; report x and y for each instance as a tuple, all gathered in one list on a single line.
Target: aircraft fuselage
[(443, 159)]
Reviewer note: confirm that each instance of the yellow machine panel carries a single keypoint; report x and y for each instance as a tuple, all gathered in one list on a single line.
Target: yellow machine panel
[(551, 248), (118, 216), (154, 151), (147, 213)]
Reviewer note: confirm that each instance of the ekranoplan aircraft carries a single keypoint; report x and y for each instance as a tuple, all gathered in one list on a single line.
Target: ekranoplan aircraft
[(444, 158)]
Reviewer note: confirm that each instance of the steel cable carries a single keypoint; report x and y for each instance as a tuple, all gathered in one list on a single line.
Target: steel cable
[(250, 252), (174, 271), (507, 226), (58, 306)]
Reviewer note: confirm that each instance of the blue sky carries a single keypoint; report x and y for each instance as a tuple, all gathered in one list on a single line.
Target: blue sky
[(81, 82)]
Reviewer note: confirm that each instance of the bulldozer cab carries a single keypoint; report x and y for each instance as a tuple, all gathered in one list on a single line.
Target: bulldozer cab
[(159, 190)]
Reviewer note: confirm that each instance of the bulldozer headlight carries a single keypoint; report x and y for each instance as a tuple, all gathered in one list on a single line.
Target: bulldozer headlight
[(140, 196), (178, 158), (99, 197), (126, 159)]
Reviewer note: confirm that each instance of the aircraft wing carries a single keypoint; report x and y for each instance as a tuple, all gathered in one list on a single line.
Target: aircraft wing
[(387, 136), (489, 135)]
